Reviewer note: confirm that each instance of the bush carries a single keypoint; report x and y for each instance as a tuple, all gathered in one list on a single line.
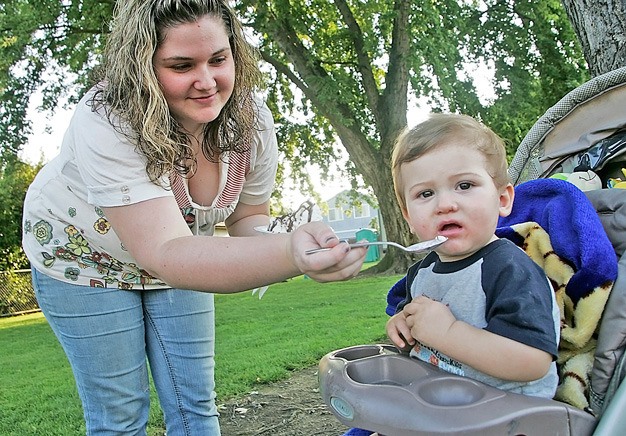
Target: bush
[(16, 293)]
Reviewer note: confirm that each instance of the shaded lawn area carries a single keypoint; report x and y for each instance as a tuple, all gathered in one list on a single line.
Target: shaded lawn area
[(258, 341)]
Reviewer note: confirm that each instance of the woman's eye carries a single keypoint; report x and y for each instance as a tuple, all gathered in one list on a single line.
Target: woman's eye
[(219, 60), (181, 67)]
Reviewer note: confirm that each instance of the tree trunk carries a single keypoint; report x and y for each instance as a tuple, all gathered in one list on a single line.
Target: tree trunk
[(396, 228), (375, 166), (601, 29)]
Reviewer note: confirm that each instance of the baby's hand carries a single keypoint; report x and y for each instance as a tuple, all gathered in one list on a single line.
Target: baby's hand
[(399, 332), (428, 320)]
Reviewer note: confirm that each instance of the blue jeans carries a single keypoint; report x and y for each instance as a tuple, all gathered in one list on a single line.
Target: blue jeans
[(107, 334)]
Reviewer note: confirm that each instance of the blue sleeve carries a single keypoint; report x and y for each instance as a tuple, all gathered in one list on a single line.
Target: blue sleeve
[(395, 296), (519, 300)]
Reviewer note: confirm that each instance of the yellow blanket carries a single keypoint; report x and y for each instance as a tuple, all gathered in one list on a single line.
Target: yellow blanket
[(579, 321)]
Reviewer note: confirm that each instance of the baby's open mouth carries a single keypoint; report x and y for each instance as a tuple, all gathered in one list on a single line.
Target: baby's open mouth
[(449, 226)]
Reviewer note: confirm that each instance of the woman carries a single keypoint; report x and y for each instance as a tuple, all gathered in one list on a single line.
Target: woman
[(118, 227)]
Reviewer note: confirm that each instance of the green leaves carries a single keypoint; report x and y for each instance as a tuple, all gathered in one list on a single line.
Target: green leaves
[(15, 177), (49, 45), (346, 57)]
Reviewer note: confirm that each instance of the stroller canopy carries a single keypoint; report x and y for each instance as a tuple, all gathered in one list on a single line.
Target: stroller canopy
[(588, 114)]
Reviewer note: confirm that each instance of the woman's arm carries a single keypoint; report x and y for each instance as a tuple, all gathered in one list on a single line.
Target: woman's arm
[(433, 324), (155, 234), (246, 217)]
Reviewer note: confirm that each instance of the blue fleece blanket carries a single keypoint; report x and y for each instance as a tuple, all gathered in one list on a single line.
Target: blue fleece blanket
[(576, 232)]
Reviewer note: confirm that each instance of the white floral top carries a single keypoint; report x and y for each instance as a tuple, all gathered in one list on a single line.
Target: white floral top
[(66, 234)]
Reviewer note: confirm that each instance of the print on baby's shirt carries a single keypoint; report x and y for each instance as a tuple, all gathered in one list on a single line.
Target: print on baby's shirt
[(437, 359)]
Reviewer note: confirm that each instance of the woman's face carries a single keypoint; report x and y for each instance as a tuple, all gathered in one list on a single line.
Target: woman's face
[(196, 70)]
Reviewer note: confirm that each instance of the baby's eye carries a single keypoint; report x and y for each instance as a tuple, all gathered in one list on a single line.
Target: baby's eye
[(425, 194), (464, 186)]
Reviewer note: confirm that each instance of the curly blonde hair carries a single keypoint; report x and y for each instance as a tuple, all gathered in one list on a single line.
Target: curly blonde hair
[(129, 92), (438, 130)]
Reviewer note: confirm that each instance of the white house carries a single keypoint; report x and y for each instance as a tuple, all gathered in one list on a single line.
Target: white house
[(347, 216)]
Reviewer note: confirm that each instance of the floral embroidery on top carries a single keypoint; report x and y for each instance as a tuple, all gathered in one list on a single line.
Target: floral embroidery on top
[(42, 230), (102, 226), (79, 252)]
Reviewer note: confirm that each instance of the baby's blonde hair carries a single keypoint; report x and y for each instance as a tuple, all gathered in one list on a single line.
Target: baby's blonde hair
[(440, 129)]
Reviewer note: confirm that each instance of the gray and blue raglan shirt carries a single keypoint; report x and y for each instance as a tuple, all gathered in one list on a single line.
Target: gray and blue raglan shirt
[(499, 289)]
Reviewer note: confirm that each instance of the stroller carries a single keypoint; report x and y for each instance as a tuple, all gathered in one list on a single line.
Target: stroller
[(379, 388)]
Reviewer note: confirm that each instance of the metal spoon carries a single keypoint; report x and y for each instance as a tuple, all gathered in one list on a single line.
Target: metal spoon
[(420, 247)]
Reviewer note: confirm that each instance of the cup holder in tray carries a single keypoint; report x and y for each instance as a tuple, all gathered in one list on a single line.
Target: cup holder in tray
[(384, 370), (384, 365), (451, 392), (363, 351)]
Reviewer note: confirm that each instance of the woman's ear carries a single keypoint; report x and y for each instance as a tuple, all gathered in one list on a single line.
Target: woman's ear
[(506, 200)]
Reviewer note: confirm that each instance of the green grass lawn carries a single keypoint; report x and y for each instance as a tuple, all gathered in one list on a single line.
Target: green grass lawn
[(258, 341)]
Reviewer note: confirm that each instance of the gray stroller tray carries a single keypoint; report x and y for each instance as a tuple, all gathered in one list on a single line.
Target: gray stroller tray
[(376, 387)]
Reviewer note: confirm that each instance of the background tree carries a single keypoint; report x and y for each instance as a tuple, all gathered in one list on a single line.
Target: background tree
[(46, 45), (15, 177), (600, 26), (342, 72)]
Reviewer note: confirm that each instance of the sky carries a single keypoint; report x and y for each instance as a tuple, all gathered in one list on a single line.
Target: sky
[(45, 145)]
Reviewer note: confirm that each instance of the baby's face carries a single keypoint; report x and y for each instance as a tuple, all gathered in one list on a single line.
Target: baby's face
[(449, 192)]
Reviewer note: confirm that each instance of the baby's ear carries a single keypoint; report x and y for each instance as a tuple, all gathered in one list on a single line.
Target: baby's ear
[(405, 214), (506, 200)]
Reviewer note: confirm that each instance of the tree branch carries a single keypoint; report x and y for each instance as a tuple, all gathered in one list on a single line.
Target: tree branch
[(319, 87), (364, 62), (283, 69), (397, 81)]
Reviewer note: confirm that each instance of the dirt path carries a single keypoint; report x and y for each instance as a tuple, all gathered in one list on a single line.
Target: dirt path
[(292, 407)]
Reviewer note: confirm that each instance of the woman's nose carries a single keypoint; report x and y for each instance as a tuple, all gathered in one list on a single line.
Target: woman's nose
[(205, 79)]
